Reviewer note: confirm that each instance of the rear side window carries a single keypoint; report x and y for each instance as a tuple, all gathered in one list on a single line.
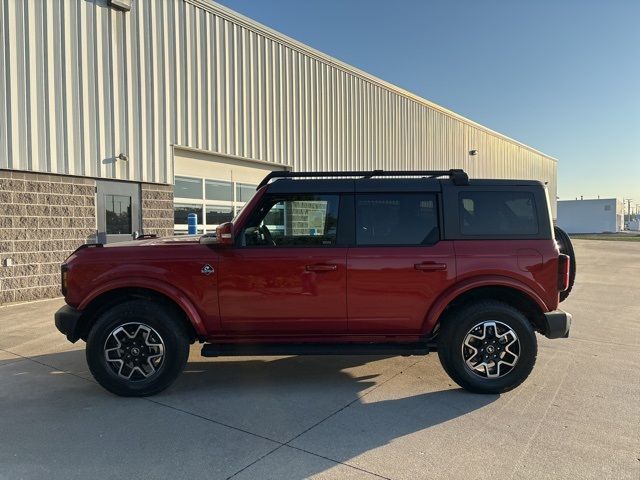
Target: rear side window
[(498, 213), (396, 219)]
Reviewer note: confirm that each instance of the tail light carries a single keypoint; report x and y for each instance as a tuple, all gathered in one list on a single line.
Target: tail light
[(64, 270), (564, 266)]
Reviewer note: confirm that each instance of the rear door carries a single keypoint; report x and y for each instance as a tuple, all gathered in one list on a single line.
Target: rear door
[(398, 265), (287, 274)]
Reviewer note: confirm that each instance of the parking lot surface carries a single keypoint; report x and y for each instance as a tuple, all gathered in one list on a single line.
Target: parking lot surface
[(577, 416)]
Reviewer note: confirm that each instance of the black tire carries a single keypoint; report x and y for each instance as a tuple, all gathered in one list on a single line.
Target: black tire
[(157, 319), (566, 247), (459, 322)]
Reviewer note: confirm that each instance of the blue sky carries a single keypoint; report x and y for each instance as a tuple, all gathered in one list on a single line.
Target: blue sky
[(562, 76)]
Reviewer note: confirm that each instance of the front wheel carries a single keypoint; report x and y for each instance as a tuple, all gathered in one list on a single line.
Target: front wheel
[(487, 347), (137, 348)]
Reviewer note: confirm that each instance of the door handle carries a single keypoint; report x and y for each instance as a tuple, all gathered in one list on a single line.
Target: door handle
[(430, 266), (321, 267)]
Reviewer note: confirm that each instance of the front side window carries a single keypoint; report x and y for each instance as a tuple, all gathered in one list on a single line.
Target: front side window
[(396, 219), (298, 220), (498, 213)]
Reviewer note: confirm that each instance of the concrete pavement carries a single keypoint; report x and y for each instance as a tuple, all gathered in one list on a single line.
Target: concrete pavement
[(577, 416)]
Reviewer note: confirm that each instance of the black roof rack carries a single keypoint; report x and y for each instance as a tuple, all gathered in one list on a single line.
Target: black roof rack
[(458, 176)]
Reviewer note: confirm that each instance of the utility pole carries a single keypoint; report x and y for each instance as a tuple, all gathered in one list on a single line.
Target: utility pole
[(628, 200)]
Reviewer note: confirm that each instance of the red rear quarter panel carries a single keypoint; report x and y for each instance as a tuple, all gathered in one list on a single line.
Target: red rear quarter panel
[(531, 263), (530, 266)]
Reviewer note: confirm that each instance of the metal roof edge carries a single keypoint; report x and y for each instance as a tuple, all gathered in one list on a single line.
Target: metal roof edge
[(608, 199), (236, 17)]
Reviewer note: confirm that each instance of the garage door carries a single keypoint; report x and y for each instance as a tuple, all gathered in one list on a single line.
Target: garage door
[(214, 187)]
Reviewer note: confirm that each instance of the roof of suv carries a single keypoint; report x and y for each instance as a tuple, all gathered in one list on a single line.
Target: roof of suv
[(404, 184)]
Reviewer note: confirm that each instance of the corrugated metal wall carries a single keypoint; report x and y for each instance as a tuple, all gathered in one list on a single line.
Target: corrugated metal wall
[(81, 83)]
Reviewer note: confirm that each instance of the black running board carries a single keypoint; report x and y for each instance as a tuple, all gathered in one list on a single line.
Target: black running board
[(249, 349)]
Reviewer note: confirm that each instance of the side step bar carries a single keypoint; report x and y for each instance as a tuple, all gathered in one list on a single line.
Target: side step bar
[(248, 349)]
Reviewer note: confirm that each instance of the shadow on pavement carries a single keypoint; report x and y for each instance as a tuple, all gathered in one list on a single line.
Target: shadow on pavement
[(301, 401)]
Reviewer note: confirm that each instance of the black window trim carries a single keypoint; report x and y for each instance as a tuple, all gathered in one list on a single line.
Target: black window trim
[(530, 195), (268, 198), (451, 213), (439, 215)]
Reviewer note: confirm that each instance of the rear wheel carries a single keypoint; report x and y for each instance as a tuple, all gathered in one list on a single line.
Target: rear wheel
[(487, 347), (137, 348), (566, 247)]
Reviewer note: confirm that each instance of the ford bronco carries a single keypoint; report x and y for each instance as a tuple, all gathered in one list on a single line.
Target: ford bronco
[(375, 263)]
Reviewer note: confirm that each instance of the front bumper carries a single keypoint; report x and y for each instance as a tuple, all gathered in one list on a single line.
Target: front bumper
[(556, 324), (67, 319)]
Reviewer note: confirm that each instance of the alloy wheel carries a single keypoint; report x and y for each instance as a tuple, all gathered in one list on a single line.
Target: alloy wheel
[(134, 351), (491, 349)]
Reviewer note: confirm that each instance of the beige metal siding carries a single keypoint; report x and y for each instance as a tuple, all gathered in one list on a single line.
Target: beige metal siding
[(82, 83), (204, 164)]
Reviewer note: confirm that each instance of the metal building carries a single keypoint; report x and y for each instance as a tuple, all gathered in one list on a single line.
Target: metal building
[(105, 104), (596, 215)]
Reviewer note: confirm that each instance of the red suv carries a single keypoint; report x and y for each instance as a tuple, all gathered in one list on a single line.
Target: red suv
[(333, 263)]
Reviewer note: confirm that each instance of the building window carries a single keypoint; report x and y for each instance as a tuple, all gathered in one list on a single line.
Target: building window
[(188, 187), (118, 214), (181, 213), (218, 190), (244, 192), (217, 215), (607, 208), (214, 201)]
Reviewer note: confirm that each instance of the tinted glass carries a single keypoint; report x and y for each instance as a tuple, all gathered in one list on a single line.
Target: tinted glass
[(301, 220), (118, 214), (218, 215), (396, 219), (498, 213), (180, 213), (244, 192), (218, 190), (188, 187)]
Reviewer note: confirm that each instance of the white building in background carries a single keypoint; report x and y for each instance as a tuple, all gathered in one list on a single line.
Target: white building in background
[(591, 216)]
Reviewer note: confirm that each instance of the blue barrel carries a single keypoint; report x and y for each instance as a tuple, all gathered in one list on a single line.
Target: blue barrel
[(192, 223)]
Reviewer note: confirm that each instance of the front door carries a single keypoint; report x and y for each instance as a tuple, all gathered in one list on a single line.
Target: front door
[(398, 266), (118, 210), (287, 273)]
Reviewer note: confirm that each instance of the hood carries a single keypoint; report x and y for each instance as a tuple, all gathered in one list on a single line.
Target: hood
[(180, 239)]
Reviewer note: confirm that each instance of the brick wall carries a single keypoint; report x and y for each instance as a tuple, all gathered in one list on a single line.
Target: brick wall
[(43, 218), (157, 209)]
